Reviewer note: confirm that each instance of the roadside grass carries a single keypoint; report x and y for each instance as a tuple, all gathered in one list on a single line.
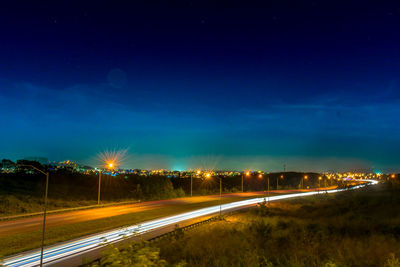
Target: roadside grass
[(353, 228), (20, 205), (22, 242)]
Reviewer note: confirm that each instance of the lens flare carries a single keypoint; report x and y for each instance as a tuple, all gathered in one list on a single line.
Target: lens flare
[(112, 159)]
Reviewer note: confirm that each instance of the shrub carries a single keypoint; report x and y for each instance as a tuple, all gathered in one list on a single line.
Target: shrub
[(392, 261), (134, 254)]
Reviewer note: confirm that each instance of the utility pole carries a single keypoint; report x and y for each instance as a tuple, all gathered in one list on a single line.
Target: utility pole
[(98, 192)]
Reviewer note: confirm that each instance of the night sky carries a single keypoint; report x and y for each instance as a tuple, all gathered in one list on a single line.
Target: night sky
[(228, 85)]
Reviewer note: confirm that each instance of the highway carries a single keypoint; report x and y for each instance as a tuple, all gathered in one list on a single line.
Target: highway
[(58, 253), (28, 224)]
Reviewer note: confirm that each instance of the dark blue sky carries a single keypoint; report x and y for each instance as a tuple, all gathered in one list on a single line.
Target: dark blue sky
[(192, 84)]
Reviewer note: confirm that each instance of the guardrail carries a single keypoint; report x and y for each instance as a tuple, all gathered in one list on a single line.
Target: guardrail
[(185, 228), (168, 234)]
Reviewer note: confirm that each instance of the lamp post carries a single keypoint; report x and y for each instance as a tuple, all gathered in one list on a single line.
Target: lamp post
[(265, 194), (305, 177), (208, 175), (44, 210), (220, 196), (267, 189), (98, 192), (191, 182), (247, 174), (319, 183), (109, 165)]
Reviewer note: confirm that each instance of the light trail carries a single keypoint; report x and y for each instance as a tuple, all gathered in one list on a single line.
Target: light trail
[(62, 252)]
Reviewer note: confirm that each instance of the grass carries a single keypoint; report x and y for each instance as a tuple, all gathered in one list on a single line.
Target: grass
[(354, 228), (22, 242), (20, 204)]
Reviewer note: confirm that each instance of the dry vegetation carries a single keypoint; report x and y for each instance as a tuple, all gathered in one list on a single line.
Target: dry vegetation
[(360, 228)]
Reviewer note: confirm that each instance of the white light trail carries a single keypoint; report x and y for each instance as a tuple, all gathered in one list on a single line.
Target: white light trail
[(85, 244)]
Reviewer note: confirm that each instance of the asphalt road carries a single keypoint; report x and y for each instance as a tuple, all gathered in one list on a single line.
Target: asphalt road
[(35, 223), (29, 224)]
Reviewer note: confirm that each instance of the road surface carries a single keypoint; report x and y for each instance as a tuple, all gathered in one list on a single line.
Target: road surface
[(29, 224)]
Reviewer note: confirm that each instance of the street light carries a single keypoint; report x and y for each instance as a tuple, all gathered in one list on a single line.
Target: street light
[(261, 176), (305, 177), (247, 174), (277, 181), (208, 175), (98, 191), (191, 182), (319, 183), (109, 165), (45, 208)]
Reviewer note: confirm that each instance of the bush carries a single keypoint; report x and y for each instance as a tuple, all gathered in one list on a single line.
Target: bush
[(134, 254), (392, 261)]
